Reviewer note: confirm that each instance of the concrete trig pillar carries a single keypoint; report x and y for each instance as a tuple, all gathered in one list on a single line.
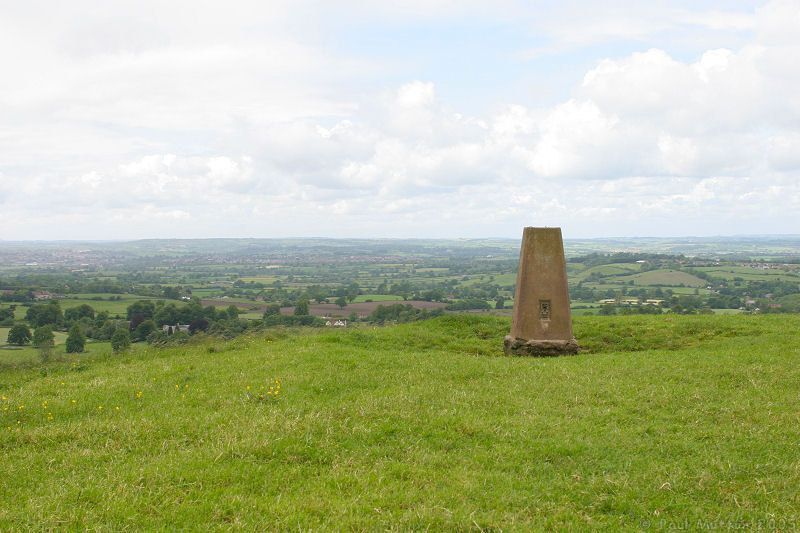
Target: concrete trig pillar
[(542, 324)]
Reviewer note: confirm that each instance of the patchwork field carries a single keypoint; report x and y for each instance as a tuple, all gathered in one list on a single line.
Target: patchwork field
[(616, 269), (362, 308), (102, 302), (664, 278), (751, 274), (664, 421), (377, 298)]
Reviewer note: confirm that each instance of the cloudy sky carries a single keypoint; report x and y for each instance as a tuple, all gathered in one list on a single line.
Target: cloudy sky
[(423, 118)]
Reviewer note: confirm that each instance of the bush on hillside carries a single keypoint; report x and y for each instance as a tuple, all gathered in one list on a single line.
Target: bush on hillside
[(469, 304), (400, 313)]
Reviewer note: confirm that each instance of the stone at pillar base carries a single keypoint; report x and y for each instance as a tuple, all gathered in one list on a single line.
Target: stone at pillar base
[(539, 348)]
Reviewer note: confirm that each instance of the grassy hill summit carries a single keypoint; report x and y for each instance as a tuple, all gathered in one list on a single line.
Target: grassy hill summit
[(668, 421)]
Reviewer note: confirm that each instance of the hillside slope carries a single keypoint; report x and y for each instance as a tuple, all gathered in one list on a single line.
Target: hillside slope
[(667, 420)]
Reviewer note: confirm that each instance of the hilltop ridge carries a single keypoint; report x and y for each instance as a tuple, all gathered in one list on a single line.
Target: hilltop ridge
[(420, 425)]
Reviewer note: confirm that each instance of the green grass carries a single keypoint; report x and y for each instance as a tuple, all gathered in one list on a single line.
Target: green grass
[(421, 426), (11, 356), (664, 277)]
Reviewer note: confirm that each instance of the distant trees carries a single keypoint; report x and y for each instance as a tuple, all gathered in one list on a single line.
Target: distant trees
[(433, 295), (103, 328), (140, 311), (199, 324), (404, 289), (7, 316), (608, 309), (316, 293), (167, 315), (120, 340), (301, 309), (172, 293), (43, 337), (352, 291), (143, 330), (341, 301), (400, 313), (76, 341), (19, 295), (43, 314), (19, 335), (470, 303), (76, 313), (272, 310), (44, 340)]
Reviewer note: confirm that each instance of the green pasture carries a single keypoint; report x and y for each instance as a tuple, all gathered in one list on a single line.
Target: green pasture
[(574, 268), (19, 311), (260, 279), (702, 291), (376, 298), (675, 290), (614, 269), (425, 426), (584, 311), (60, 336), (581, 308), (499, 279), (114, 307), (226, 301), (207, 293), (664, 277), (730, 273), (16, 355), (102, 296)]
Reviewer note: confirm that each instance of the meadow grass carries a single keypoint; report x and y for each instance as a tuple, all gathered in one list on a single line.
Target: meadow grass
[(663, 420)]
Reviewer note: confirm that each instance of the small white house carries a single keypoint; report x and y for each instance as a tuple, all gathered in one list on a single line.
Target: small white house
[(169, 330)]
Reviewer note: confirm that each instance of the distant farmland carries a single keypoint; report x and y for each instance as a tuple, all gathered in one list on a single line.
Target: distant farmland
[(664, 278), (360, 308)]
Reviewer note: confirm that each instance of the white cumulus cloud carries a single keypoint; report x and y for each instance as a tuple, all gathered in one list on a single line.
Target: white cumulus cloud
[(118, 126)]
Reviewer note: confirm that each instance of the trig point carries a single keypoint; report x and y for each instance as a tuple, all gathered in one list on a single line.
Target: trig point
[(542, 325)]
